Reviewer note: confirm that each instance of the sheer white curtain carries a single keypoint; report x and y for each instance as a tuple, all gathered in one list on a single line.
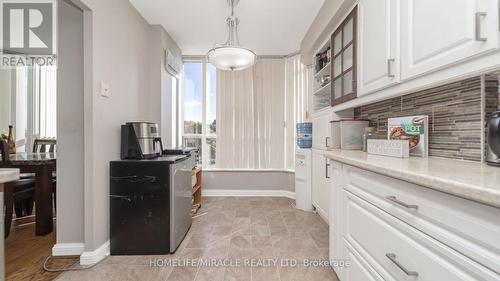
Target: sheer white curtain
[(256, 114), (299, 89), (269, 90), (235, 119), (44, 81)]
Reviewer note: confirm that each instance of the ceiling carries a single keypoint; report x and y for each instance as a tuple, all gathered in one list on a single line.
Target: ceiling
[(268, 27)]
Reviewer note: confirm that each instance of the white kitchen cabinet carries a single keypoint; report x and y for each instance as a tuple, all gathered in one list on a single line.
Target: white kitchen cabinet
[(359, 270), (321, 183), (392, 230), (321, 129), (378, 47), (438, 34), (337, 253)]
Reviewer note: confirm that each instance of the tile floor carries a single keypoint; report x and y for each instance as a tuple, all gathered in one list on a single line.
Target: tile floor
[(254, 237)]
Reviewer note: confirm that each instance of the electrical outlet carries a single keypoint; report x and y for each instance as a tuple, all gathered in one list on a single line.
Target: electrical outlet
[(105, 89)]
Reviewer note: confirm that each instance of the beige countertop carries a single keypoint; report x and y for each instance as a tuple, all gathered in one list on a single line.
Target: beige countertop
[(466, 179), (9, 174)]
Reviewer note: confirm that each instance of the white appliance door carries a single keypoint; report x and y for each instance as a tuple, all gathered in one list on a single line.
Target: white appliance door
[(181, 194)]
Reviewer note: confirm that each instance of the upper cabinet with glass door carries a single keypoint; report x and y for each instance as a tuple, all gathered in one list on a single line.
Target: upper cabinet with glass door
[(344, 60), (322, 78)]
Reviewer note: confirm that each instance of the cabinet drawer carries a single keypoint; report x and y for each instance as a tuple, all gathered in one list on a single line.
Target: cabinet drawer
[(398, 251), (468, 227)]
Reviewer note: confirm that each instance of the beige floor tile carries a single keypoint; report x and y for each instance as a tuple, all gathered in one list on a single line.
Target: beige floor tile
[(241, 241), (210, 274), (242, 213), (183, 274), (265, 274), (260, 230), (198, 241), (278, 229), (320, 238), (221, 230), (234, 228), (261, 242), (238, 274), (140, 272)]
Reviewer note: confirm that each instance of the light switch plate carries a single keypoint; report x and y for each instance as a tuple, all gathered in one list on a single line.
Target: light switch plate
[(105, 89)]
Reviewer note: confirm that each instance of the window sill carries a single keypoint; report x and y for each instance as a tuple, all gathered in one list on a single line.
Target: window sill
[(248, 170)]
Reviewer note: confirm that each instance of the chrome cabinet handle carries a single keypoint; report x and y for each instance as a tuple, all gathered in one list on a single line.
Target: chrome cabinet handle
[(479, 15), (326, 141), (327, 165), (392, 258), (126, 198), (389, 68), (401, 203)]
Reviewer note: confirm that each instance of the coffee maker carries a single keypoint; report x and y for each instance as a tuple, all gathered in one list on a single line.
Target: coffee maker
[(493, 149), (140, 140)]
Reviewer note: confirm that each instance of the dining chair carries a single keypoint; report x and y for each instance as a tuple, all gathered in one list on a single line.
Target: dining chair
[(42, 146), (23, 193), (48, 145)]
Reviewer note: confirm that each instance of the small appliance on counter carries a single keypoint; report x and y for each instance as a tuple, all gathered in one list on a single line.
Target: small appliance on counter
[(140, 140), (150, 194), (348, 134), (493, 149), (193, 151), (150, 204)]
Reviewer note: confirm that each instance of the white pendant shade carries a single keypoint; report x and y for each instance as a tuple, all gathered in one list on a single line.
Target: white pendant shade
[(231, 58)]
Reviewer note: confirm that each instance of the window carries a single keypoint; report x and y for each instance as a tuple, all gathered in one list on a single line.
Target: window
[(199, 109), (28, 102), (344, 60)]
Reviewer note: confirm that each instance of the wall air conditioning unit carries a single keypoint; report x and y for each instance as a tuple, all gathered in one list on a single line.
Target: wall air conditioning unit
[(173, 65)]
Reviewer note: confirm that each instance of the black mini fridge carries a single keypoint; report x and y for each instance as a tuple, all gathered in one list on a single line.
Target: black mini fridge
[(150, 204)]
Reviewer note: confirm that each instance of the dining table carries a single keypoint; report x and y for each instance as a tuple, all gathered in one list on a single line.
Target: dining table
[(42, 165)]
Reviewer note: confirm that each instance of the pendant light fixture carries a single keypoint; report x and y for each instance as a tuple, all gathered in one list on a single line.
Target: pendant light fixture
[(230, 55)]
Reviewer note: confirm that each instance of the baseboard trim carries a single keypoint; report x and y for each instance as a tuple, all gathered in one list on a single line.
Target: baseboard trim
[(68, 249), (247, 193), (322, 213), (93, 257)]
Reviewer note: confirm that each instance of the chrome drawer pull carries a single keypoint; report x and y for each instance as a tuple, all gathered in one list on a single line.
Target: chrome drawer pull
[(480, 15), (401, 203), (327, 165), (390, 62), (392, 257)]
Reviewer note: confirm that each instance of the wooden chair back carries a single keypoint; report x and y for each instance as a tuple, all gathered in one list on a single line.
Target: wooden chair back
[(41, 145), (4, 152)]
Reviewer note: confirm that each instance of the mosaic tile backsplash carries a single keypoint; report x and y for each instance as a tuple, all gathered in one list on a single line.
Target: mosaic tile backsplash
[(454, 112)]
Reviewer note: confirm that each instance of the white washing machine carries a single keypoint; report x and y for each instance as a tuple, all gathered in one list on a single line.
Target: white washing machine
[(303, 179)]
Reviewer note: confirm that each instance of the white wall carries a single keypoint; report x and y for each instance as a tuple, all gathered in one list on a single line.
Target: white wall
[(120, 46), (5, 100), (162, 95), (254, 181), (70, 143), (329, 16)]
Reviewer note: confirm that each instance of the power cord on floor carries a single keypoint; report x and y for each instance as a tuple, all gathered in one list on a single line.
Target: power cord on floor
[(71, 268)]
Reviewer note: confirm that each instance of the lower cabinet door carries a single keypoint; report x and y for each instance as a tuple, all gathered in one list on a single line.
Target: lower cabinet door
[(358, 269), (397, 251), (321, 183)]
